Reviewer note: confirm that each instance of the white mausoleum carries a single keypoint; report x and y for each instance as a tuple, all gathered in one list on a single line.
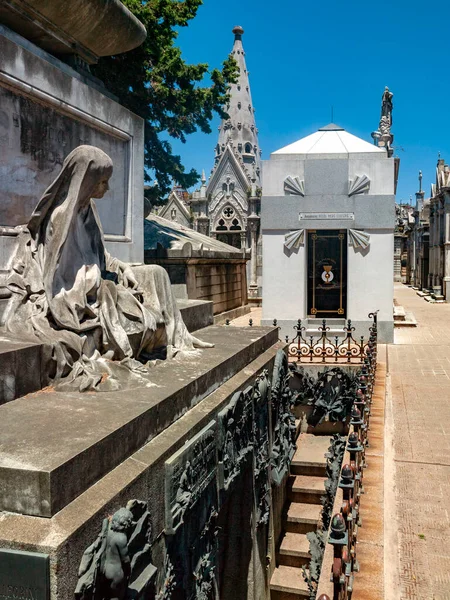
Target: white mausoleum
[(327, 220)]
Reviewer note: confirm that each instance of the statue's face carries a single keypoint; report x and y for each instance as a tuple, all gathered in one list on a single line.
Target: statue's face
[(102, 187)]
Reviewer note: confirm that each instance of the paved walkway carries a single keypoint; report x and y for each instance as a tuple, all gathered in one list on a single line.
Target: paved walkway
[(417, 466)]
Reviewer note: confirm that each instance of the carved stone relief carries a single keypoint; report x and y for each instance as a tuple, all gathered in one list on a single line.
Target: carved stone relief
[(261, 449), (204, 556), (359, 185), (118, 563), (235, 423), (283, 421), (189, 472)]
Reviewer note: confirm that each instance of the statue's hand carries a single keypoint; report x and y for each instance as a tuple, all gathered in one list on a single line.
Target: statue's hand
[(128, 278)]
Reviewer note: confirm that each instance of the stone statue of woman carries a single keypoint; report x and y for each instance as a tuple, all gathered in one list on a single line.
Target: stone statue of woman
[(101, 318), (387, 106)]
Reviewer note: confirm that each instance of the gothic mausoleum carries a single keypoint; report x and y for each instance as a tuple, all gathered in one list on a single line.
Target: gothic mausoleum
[(327, 220), (228, 207)]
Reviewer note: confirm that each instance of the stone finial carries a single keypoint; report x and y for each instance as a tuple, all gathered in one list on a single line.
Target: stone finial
[(420, 181), (238, 32)]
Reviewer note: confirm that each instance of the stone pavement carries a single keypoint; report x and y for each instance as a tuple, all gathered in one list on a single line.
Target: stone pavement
[(417, 457), (254, 314)]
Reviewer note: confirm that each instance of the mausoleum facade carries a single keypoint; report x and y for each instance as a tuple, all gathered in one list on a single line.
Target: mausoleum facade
[(327, 222)]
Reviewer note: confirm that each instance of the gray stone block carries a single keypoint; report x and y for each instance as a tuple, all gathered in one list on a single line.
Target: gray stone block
[(21, 369), (53, 446), (196, 314)]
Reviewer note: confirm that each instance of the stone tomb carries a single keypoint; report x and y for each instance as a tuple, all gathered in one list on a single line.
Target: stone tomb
[(327, 217), (75, 459)]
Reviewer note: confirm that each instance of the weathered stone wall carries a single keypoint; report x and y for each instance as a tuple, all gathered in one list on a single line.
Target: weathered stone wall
[(224, 282), (46, 110)]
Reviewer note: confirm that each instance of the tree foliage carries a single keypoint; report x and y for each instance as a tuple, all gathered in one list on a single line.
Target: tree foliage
[(156, 83)]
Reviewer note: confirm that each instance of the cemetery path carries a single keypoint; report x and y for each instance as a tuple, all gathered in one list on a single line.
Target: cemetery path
[(417, 465)]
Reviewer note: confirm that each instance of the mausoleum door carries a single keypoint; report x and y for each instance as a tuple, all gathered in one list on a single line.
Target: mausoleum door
[(327, 273)]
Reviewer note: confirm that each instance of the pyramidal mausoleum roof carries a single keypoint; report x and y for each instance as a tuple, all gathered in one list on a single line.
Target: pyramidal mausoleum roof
[(330, 139)]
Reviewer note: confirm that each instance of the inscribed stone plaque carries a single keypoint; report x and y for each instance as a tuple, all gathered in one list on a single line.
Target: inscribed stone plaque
[(189, 473), (24, 575), (338, 216), (34, 140)]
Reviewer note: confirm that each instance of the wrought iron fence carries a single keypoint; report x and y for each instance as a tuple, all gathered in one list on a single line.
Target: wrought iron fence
[(326, 348)]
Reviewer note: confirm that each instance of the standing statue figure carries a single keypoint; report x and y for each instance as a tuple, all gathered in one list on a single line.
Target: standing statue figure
[(387, 106), (101, 317)]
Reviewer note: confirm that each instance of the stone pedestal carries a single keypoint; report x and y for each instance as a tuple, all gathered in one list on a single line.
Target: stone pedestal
[(67, 461)]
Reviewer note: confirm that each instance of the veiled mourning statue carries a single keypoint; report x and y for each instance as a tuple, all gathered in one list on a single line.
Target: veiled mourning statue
[(102, 319)]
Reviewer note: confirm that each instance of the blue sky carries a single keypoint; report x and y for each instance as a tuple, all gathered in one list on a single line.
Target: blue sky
[(304, 57)]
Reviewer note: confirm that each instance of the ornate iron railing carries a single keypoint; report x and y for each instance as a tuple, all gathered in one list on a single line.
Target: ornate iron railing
[(325, 348), (346, 523)]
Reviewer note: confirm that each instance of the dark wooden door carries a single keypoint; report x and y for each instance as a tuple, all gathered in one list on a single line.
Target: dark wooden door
[(327, 273)]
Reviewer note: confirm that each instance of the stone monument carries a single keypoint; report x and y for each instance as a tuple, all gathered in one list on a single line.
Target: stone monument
[(68, 292), (50, 103)]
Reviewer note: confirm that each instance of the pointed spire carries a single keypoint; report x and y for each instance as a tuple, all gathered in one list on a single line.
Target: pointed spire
[(203, 177), (240, 128)]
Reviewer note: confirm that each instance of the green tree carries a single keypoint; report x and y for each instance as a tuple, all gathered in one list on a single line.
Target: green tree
[(156, 83)]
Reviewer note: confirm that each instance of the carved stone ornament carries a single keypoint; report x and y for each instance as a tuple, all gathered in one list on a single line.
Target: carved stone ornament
[(261, 449), (283, 420), (118, 563), (294, 186), (235, 423), (294, 239), (205, 555), (359, 185), (169, 581), (358, 239), (190, 472)]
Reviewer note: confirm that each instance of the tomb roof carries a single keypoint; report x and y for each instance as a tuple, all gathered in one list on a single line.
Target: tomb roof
[(331, 139)]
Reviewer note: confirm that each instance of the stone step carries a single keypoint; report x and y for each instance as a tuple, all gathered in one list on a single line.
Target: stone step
[(294, 550), (196, 314), (55, 445), (307, 490), (287, 583), (309, 458), (302, 518), (21, 368)]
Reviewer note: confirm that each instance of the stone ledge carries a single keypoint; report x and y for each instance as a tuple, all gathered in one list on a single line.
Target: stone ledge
[(89, 28), (54, 446), (20, 368), (196, 314)]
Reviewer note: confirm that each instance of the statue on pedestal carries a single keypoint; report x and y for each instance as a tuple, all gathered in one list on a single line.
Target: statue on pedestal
[(102, 318), (383, 136)]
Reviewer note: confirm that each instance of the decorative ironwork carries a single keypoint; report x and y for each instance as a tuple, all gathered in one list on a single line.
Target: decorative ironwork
[(327, 348), (345, 524)]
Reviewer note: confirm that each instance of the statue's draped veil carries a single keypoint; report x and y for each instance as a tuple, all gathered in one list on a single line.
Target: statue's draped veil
[(55, 217)]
